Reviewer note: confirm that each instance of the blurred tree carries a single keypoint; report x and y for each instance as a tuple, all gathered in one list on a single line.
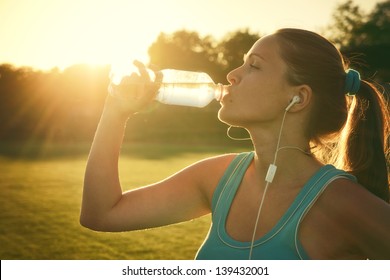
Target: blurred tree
[(346, 18), (184, 50), (188, 51), (364, 38), (51, 106), (233, 47), (18, 101), (375, 29), (65, 106)]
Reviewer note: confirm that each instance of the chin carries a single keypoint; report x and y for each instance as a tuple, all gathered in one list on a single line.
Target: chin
[(227, 118), (221, 115)]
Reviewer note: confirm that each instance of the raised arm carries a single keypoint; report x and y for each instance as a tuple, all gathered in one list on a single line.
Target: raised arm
[(183, 196)]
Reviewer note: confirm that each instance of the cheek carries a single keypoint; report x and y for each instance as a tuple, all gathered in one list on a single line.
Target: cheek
[(239, 112), (250, 110), (251, 102)]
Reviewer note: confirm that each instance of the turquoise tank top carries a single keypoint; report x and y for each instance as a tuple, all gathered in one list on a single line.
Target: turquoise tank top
[(281, 242)]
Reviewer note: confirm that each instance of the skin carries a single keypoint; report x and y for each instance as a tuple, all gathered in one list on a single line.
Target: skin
[(346, 222)]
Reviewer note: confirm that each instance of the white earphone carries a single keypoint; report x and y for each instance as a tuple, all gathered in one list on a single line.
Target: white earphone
[(272, 170), (296, 99)]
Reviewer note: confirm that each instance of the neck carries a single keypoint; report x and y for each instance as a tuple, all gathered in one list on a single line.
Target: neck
[(270, 144), (284, 148), (292, 166), (285, 154)]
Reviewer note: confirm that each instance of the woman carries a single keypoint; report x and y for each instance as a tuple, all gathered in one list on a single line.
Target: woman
[(283, 200)]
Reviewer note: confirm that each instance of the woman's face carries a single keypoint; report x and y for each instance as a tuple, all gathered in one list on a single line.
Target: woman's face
[(258, 90)]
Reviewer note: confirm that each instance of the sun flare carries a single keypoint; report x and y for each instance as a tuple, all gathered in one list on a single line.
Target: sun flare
[(59, 33)]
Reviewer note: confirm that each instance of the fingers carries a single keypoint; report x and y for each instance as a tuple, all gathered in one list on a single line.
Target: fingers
[(150, 85), (139, 88), (142, 70), (158, 80), (159, 77)]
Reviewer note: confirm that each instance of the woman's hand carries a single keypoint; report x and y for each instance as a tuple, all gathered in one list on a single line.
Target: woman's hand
[(134, 92)]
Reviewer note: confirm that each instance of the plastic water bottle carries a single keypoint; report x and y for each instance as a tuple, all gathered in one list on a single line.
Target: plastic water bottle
[(184, 88)]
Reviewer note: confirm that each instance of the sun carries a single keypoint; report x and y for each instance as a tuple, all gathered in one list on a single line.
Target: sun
[(63, 33)]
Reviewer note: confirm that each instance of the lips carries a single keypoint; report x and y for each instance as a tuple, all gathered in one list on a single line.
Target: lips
[(225, 93)]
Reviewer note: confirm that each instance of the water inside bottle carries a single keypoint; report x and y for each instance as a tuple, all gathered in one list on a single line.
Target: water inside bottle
[(187, 94), (178, 87)]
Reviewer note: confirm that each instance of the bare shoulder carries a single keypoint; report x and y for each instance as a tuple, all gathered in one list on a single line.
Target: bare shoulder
[(212, 167), (209, 172), (362, 217), (344, 194), (219, 161)]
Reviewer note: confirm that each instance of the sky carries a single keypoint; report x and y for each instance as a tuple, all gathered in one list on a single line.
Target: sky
[(44, 34)]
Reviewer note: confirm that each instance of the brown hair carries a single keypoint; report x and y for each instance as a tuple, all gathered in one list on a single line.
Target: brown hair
[(350, 132)]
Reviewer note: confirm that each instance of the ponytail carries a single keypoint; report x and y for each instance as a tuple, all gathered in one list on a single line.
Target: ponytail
[(364, 144), (349, 122)]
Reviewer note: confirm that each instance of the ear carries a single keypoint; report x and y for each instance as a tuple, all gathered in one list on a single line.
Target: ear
[(304, 93)]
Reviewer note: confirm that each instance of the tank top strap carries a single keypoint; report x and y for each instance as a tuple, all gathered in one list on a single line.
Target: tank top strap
[(316, 186), (286, 229), (229, 183), (308, 196)]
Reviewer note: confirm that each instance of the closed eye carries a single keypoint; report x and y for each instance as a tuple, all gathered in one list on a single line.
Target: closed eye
[(253, 64)]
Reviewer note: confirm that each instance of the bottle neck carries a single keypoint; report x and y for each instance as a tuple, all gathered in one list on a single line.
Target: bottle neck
[(219, 91)]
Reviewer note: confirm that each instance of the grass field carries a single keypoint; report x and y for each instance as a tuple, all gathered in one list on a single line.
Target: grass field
[(40, 205)]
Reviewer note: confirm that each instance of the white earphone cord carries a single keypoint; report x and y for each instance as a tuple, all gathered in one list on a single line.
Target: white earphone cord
[(270, 178), (234, 138)]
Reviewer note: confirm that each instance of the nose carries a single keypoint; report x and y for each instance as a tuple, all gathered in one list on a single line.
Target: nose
[(233, 77)]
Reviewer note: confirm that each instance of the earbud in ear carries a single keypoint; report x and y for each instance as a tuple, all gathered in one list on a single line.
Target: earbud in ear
[(296, 99)]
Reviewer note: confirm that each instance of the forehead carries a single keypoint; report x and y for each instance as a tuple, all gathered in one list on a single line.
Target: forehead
[(266, 47)]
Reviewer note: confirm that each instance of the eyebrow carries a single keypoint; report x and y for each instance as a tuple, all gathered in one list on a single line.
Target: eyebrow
[(253, 54)]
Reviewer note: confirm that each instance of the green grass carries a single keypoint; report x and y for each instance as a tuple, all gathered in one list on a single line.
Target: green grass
[(40, 205)]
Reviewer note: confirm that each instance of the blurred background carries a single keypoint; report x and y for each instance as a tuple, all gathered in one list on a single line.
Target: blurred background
[(55, 59)]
